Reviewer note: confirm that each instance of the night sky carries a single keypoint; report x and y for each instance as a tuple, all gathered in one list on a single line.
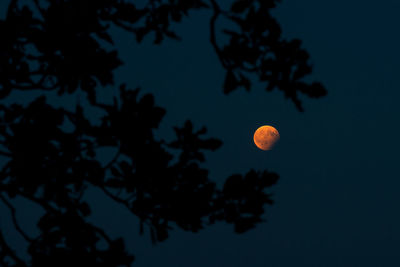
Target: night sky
[(336, 202)]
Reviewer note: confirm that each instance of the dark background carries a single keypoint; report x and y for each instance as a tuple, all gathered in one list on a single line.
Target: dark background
[(336, 203)]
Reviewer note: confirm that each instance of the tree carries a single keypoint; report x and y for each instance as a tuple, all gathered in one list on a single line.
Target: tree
[(59, 45)]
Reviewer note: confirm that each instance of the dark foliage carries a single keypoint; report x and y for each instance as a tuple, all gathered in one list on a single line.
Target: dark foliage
[(57, 46)]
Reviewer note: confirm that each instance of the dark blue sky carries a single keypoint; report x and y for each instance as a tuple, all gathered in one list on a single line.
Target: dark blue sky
[(337, 199)]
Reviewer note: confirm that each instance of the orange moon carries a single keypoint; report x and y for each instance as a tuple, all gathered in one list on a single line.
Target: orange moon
[(265, 137)]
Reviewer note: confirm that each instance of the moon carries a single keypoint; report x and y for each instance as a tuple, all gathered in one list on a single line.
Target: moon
[(265, 137)]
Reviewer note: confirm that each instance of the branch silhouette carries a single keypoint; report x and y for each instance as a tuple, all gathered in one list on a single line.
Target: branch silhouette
[(59, 46), (14, 218)]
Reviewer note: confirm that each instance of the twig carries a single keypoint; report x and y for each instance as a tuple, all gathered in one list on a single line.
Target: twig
[(10, 252), (126, 204), (108, 165), (14, 218), (33, 86), (11, 6), (37, 4), (117, 199), (102, 233), (7, 154), (213, 39), (38, 201), (124, 26)]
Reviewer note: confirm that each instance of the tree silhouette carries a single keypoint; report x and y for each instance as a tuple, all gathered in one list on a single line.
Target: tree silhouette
[(51, 154)]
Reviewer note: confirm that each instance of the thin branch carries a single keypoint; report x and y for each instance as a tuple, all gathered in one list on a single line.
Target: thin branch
[(32, 57), (7, 154), (126, 204), (102, 233), (124, 26), (51, 209), (130, 197), (113, 197), (108, 165), (11, 6), (41, 10), (14, 218), (33, 86), (38, 201), (10, 252), (213, 39)]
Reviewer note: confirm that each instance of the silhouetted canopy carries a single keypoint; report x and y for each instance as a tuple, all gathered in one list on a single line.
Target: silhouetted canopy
[(51, 153)]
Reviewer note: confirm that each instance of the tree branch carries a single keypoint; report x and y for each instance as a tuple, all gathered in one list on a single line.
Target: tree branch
[(213, 39), (124, 26), (14, 218), (11, 6), (33, 86), (102, 233), (10, 252), (37, 4), (7, 154), (108, 165), (117, 199), (38, 201)]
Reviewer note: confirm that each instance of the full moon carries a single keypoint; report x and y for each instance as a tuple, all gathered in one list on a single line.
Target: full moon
[(265, 137)]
